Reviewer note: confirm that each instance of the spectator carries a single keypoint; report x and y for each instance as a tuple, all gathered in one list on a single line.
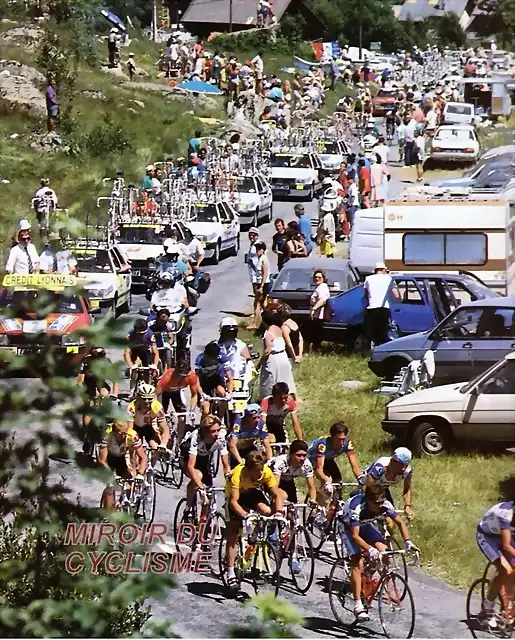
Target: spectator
[(318, 301), (327, 231), (379, 287), (353, 196), (259, 69), (131, 67), (377, 177), (279, 241), (419, 154), (194, 143), (259, 271), (275, 365), (382, 149), (147, 181), (334, 73), (52, 103), (295, 246), (112, 46), (217, 69), (364, 183), (410, 126), (23, 257), (305, 227)]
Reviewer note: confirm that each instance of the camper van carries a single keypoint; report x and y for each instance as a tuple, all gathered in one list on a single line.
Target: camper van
[(366, 239), (450, 230)]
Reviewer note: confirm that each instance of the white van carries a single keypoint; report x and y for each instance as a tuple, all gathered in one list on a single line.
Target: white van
[(366, 239), (458, 113)]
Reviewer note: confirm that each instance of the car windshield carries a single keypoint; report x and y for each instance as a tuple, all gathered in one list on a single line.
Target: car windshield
[(246, 185), (330, 147), (302, 280), (480, 291), (290, 160), (139, 235), (93, 261), (460, 109), (205, 213), (382, 93), (27, 300)]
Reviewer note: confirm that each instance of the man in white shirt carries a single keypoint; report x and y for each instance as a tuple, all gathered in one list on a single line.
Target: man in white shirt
[(259, 68), (55, 259), (431, 122), (379, 288), (382, 149), (353, 197), (23, 257), (194, 253)]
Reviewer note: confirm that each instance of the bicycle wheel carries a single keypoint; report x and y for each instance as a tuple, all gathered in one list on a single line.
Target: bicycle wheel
[(396, 607), (176, 467), (212, 536), (475, 598), (301, 560), (146, 504), (222, 565), (398, 562), (315, 523), (266, 569), (180, 518), (340, 593), (339, 546)]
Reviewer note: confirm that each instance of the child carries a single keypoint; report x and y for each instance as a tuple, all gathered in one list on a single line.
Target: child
[(131, 67)]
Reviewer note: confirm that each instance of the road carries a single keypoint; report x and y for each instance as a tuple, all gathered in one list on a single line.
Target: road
[(197, 607)]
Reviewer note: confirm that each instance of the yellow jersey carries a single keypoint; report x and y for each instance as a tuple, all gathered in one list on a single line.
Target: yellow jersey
[(241, 480), (120, 449), (146, 418)]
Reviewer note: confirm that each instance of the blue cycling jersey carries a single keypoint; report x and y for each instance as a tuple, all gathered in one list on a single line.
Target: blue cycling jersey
[(210, 369), (323, 447), (246, 437)]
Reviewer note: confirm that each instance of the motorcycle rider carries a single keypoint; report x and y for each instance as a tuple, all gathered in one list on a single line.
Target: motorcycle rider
[(171, 295), (195, 253)]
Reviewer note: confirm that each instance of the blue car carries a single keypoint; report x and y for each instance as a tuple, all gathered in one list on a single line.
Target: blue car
[(426, 299), (468, 341)]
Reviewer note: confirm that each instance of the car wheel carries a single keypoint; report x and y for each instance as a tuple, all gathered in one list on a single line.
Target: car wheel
[(216, 255), (236, 246), (392, 367), (126, 307), (430, 438), (255, 219), (115, 307)]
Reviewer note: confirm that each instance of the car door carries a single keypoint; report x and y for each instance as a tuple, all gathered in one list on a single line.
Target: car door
[(228, 222), (495, 337), (317, 165), (452, 341), (489, 412), (123, 275), (413, 312), (265, 196)]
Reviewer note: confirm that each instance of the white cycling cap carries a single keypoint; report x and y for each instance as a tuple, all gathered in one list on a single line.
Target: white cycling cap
[(228, 322), (24, 225)]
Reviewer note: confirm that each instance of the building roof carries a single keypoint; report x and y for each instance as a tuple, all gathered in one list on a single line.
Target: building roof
[(217, 11), (420, 9)]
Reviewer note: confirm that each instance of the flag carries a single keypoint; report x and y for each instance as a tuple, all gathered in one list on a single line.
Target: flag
[(318, 49)]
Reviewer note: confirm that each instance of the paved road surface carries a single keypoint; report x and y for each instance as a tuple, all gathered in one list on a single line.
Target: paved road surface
[(197, 606)]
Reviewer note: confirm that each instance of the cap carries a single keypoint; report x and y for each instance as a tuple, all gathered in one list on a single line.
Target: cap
[(254, 230), (24, 225), (379, 265), (228, 322), (253, 409), (149, 167), (402, 455)]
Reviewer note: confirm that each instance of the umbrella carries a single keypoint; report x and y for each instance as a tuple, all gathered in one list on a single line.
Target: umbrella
[(113, 19), (197, 86)]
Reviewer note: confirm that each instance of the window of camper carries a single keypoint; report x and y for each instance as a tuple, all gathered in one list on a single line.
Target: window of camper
[(444, 248)]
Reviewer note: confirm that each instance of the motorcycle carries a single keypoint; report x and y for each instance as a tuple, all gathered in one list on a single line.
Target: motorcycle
[(195, 284), (180, 342), (368, 141)]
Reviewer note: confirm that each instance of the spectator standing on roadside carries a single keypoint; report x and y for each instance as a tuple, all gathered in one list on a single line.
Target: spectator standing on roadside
[(304, 222), (382, 149), (279, 241), (259, 69), (217, 69), (364, 184), (112, 46), (52, 103), (410, 125), (23, 257), (379, 288), (419, 153), (131, 67), (334, 73), (353, 196)]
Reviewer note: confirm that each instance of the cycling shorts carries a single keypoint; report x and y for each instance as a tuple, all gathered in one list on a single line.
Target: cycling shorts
[(144, 354), (249, 501), (92, 386), (367, 532), (276, 428), (210, 383), (490, 545), (202, 464), (175, 399), (331, 469), (118, 465), (148, 433), (288, 486)]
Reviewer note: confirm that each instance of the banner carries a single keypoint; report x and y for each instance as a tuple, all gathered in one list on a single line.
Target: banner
[(318, 49)]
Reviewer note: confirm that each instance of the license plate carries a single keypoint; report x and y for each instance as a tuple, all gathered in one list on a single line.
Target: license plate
[(204, 244), (10, 349), (299, 186), (136, 273), (34, 326), (237, 385), (23, 350), (94, 303)]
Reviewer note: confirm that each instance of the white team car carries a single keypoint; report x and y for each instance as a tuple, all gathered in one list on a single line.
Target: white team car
[(294, 173), (331, 154), (106, 274), (254, 200), (217, 226)]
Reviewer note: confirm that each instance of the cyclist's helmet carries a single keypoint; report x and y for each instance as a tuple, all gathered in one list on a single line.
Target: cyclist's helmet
[(166, 276), (145, 391), (253, 409), (97, 352), (228, 323), (402, 455)]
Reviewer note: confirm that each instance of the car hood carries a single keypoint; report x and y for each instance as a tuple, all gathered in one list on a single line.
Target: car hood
[(142, 251), (292, 172), (433, 396), (97, 280), (413, 341), (458, 182), (330, 159), (250, 199), (56, 323), (204, 228)]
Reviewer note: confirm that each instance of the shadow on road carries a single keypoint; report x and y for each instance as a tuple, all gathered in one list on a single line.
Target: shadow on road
[(213, 591), (333, 629), (238, 314)]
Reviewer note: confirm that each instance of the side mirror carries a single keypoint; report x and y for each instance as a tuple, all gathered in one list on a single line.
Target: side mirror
[(144, 311), (95, 311)]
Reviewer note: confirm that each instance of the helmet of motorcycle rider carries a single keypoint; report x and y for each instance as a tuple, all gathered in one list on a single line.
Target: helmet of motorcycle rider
[(228, 324), (166, 276), (145, 391), (171, 246), (327, 181), (402, 455)]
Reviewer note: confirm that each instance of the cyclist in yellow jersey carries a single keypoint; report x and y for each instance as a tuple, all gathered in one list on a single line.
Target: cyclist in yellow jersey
[(251, 487), (148, 417), (120, 445)]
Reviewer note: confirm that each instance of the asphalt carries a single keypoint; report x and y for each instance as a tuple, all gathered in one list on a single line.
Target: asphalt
[(197, 606)]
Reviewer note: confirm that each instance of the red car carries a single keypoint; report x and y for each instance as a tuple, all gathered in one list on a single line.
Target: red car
[(384, 100)]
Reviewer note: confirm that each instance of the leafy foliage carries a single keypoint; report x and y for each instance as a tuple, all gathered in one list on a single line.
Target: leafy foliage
[(274, 618)]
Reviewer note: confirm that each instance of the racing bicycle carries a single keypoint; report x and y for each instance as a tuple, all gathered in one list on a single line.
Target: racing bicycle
[(504, 611)]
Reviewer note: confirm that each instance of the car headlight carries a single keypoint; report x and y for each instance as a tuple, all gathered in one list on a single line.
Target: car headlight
[(102, 293), (70, 339), (4, 339), (303, 180)]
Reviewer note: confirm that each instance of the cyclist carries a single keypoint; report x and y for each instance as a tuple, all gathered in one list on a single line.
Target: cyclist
[(291, 465), (88, 378), (391, 470), (390, 124), (232, 350), (170, 385), (244, 433), (214, 376), (276, 408), (163, 331), (141, 349), (198, 448), (363, 538), (252, 487), (324, 451), (148, 417), (119, 445), (496, 538)]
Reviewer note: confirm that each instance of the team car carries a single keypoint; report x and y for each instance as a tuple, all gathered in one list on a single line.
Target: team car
[(23, 331), (106, 275), (295, 173), (254, 200), (331, 154), (142, 243), (217, 226)]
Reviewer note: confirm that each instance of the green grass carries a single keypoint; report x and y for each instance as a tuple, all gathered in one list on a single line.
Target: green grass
[(450, 493)]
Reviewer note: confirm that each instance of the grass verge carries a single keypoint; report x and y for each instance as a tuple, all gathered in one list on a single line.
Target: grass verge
[(450, 493)]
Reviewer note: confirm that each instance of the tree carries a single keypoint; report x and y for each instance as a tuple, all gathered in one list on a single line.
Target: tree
[(448, 31)]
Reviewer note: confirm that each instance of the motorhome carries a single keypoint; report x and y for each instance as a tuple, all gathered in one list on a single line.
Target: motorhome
[(366, 239), (456, 229)]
